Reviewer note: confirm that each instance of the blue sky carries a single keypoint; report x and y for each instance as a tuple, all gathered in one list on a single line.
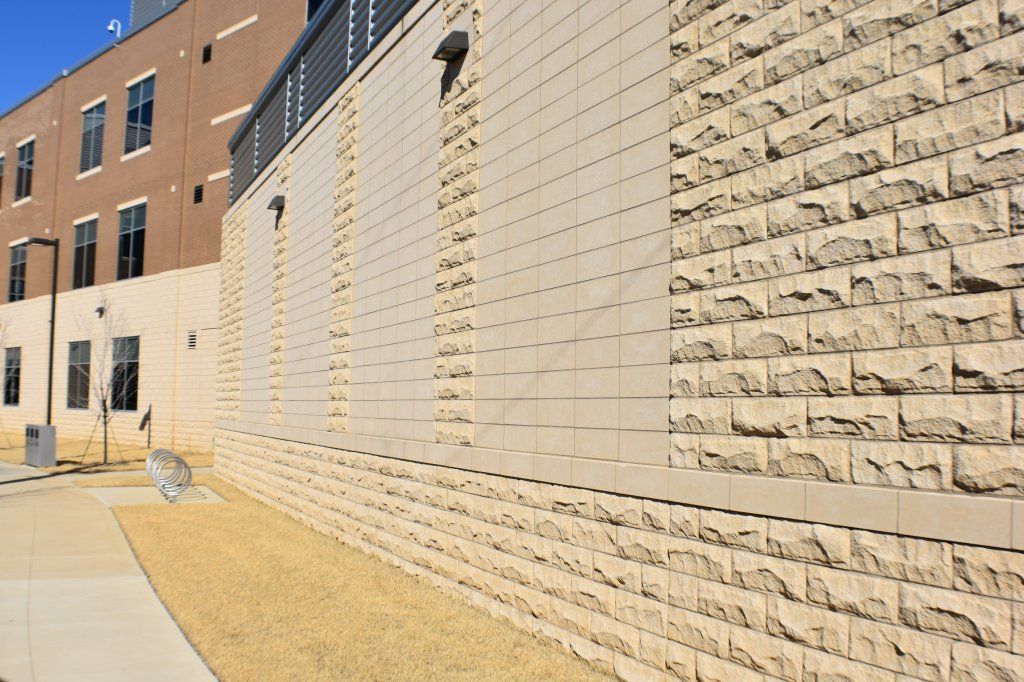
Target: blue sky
[(41, 37)]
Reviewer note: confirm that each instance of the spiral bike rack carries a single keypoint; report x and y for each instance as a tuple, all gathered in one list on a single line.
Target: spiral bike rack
[(170, 473)]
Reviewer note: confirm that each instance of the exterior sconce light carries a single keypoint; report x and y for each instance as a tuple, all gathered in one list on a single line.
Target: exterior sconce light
[(452, 47), (277, 204)]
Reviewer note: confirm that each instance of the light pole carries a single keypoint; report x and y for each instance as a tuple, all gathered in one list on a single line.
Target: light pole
[(55, 243)]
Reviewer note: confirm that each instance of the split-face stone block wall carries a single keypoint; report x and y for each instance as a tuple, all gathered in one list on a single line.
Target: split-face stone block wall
[(847, 249), (458, 226), (830, 485), (343, 251), (232, 312), (279, 291)]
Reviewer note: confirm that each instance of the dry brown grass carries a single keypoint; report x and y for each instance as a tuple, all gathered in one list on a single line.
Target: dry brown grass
[(78, 455), (263, 597)]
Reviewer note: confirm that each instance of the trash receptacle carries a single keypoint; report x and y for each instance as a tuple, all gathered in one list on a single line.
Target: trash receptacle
[(40, 445)]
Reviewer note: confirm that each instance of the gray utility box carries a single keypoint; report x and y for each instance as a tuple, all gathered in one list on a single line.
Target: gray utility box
[(40, 445)]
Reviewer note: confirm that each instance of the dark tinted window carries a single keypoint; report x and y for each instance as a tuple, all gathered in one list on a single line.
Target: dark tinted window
[(78, 374), (207, 53), (138, 129), (131, 241), (2, 159), (16, 283), (311, 7), (26, 164), (93, 121), (85, 255), (124, 381), (12, 376)]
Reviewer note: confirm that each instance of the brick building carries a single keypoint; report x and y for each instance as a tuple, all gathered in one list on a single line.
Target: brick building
[(688, 333), (124, 159)]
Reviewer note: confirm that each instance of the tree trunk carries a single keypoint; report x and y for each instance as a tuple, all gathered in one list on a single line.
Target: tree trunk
[(105, 420)]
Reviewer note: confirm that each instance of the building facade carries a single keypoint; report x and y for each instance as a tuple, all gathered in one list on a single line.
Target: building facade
[(124, 159), (689, 334)]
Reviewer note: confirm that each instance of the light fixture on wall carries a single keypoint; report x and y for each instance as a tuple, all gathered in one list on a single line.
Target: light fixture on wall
[(452, 47), (277, 204)]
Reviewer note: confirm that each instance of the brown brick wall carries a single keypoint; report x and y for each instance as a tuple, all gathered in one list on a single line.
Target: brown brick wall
[(186, 148)]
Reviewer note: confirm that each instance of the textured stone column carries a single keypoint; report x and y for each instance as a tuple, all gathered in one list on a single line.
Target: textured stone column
[(343, 251), (457, 222), (278, 292), (232, 308)]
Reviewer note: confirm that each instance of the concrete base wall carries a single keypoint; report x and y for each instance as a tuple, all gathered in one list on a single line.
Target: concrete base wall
[(653, 589), (178, 382)]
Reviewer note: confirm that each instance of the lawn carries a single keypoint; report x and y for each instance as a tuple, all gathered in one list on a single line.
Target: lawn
[(263, 597)]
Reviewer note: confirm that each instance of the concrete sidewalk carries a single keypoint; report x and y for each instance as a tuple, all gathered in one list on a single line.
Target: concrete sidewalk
[(74, 603)]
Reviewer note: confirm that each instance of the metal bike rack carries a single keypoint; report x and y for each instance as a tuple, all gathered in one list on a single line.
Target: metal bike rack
[(170, 473)]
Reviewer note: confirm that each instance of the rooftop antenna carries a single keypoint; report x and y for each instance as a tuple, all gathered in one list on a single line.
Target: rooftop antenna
[(114, 27)]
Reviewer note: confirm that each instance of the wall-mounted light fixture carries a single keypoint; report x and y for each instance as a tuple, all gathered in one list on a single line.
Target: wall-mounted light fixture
[(277, 204), (452, 47)]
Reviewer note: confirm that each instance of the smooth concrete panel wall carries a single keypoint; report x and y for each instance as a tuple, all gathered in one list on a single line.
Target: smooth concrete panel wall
[(176, 381), (308, 283), (392, 302), (256, 322)]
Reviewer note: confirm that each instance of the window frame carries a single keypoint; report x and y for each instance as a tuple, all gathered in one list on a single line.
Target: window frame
[(12, 377), (79, 378), (124, 374), (92, 137), (129, 263), (16, 273), (25, 166), (83, 259), (133, 132)]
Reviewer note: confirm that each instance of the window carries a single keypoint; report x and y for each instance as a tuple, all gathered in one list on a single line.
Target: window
[(124, 382), (311, 7), (78, 374), (197, 194), (92, 137), (85, 255), (1, 177), (23, 178), (131, 241), (193, 339), (139, 126), (16, 284), (12, 376), (207, 53)]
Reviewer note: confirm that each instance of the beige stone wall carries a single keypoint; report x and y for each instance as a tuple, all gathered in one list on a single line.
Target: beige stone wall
[(846, 244), (653, 589), (179, 383), (279, 291), (232, 312), (342, 243), (458, 224), (686, 333)]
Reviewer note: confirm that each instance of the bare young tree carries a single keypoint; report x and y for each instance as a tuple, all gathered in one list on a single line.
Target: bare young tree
[(104, 381)]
